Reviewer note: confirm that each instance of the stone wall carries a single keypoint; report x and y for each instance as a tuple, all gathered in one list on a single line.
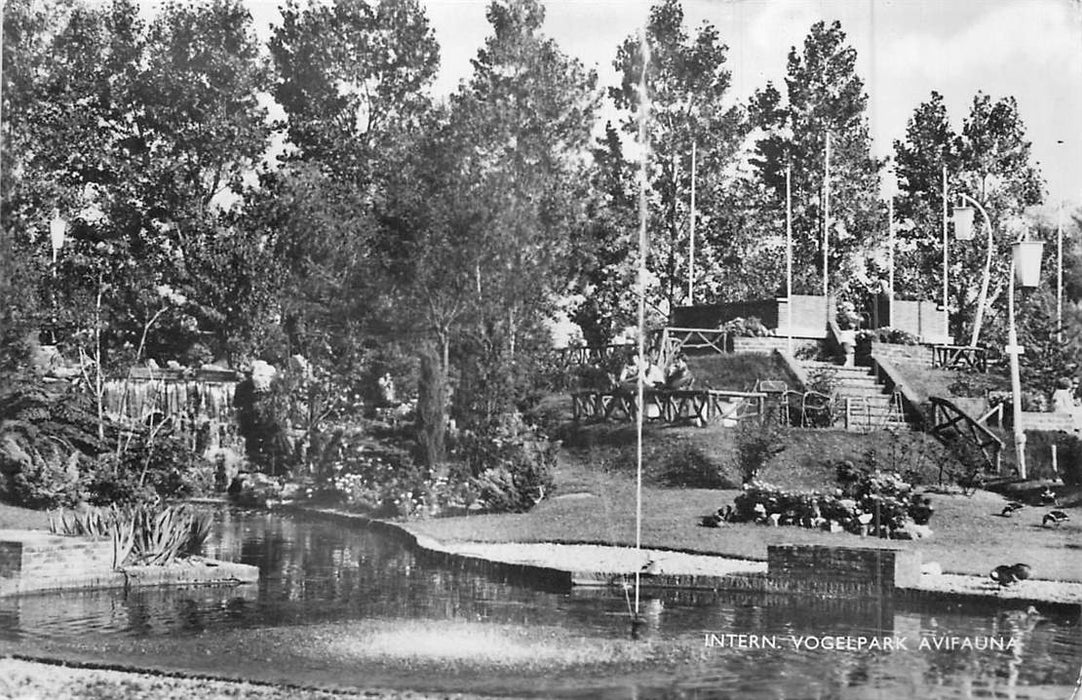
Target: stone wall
[(924, 319), (769, 344), (815, 567), (41, 555)]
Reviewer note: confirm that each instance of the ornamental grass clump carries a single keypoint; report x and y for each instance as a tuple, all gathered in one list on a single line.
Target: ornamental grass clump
[(141, 535)]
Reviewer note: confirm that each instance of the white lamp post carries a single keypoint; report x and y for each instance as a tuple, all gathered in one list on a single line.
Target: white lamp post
[(58, 228), (1026, 265), (963, 230)]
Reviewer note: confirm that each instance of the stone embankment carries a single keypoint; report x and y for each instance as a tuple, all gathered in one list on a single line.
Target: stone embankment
[(33, 561), (854, 570)]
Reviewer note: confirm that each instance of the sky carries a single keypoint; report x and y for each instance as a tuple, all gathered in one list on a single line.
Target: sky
[(1031, 49)]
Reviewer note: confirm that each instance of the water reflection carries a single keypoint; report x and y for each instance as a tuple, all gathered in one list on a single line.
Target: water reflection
[(337, 604)]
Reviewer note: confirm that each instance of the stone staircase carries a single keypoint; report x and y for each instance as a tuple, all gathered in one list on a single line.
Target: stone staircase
[(861, 403)]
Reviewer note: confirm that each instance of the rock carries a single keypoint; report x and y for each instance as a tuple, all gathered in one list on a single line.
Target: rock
[(262, 375), (931, 568), (255, 489), (912, 531)]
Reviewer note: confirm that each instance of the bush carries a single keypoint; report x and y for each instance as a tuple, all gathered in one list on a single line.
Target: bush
[(509, 464), (880, 501), (380, 479), (689, 467), (141, 535), (151, 467), (750, 327), (757, 444), (1070, 460)]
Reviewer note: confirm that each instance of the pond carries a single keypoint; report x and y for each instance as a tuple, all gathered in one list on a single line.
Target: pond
[(344, 607)]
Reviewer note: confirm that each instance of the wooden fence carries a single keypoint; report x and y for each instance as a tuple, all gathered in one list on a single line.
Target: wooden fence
[(950, 423), (701, 406), (961, 357)]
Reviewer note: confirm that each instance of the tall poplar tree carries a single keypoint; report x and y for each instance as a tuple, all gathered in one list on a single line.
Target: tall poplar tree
[(824, 100)]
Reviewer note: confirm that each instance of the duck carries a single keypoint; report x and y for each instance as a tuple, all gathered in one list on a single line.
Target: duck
[(1005, 575), (651, 568), (722, 515), (1056, 517), (1011, 508), (1048, 497)]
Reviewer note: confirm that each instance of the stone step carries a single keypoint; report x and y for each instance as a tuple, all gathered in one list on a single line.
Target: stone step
[(863, 392)]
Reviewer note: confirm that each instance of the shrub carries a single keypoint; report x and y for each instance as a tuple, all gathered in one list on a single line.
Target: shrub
[(141, 535), (750, 327), (509, 463), (150, 467), (689, 467), (380, 479), (756, 444), (879, 500), (1070, 460)]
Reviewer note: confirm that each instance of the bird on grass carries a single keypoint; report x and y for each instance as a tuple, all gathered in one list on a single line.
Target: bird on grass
[(1048, 497), (721, 515), (1006, 575), (1011, 508), (1056, 517)]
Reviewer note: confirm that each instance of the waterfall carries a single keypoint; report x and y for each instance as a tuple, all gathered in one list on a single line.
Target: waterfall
[(194, 405)]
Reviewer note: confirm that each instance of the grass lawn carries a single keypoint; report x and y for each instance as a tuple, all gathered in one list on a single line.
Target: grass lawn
[(595, 503), (16, 518)]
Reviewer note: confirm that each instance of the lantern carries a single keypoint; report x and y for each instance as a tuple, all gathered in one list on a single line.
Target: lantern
[(1027, 262), (57, 228), (963, 223)]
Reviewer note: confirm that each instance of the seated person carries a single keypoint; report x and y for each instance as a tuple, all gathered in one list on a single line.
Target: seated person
[(629, 378), (1063, 397), (678, 376), (655, 377)]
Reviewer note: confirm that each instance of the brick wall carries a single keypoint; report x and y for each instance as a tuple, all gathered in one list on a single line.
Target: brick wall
[(903, 354), (809, 316), (1048, 421), (44, 556), (770, 344), (841, 567), (923, 319)]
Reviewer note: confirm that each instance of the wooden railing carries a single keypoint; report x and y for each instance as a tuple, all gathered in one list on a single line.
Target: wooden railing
[(594, 356), (673, 340), (807, 409), (951, 423), (963, 357), (701, 406), (859, 413)]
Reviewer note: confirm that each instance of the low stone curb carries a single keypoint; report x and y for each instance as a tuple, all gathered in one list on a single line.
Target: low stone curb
[(192, 572), (938, 587)]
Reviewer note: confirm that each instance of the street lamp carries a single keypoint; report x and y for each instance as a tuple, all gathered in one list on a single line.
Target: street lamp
[(58, 227), (1026, 265), (963, 231)]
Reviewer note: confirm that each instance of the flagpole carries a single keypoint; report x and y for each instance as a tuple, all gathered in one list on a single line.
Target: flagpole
[(789, 254), (643, 117), (691, 252)]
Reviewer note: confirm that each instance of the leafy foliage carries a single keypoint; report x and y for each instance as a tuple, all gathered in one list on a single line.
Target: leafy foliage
[(824, 101), (142, 535), (509, 464), (687, 102), (756, 444)]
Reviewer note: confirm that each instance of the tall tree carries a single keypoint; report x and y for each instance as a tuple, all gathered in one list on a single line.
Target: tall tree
[(990, 160), (352, 77), (825, 101), (478, 224), (133, 134), (688, 102)]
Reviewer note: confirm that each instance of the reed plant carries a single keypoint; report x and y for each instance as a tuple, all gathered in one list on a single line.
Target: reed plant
[(141, 535)]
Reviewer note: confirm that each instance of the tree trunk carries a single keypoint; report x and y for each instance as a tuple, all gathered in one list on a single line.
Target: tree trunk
[(432, 403)]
